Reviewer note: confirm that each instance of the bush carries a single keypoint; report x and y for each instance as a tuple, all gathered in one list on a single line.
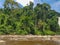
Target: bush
[(49, 32), (38, 32)]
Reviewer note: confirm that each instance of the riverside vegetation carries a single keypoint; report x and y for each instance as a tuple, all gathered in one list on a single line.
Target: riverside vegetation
[(38, 20)]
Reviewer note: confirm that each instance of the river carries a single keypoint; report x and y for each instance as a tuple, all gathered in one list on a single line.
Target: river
[(31, 43)]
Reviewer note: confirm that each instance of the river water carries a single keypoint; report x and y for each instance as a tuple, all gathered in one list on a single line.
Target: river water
[(30, 43)]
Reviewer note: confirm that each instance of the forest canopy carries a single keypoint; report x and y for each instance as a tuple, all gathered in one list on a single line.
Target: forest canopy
[(38, 20)]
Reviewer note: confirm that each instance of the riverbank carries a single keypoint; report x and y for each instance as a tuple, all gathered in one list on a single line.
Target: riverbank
[(29, 40), (29, 37)]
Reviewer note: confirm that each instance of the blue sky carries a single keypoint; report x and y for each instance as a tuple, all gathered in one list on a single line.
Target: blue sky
[(55, 4), (1, 3)]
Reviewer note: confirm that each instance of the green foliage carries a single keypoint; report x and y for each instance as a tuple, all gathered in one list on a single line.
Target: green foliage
[(38, 32), (49, 32), (39, 20)]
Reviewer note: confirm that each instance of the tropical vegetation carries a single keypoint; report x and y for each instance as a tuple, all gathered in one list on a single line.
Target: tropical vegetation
[(38, 20)]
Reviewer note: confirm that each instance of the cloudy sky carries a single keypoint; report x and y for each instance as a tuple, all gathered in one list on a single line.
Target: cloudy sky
[(24, 2), (55, 4)]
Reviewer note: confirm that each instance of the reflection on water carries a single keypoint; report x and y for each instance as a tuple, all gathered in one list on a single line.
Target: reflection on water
[(30, 43)]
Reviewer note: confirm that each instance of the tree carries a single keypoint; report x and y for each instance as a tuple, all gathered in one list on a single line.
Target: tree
[(39, 20)]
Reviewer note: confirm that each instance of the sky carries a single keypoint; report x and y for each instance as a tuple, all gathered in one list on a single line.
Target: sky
[(1, 3), (55, 4)]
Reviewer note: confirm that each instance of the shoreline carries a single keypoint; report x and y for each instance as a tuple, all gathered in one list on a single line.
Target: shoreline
[(29, 37)]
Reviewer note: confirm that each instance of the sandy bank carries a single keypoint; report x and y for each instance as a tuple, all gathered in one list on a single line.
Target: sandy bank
[(29, 37)]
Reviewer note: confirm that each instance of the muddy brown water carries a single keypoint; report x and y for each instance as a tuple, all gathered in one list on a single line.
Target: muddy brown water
[(31, 43)]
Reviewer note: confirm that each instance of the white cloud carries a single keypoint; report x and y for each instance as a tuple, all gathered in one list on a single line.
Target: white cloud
[(24, 2), (59, 21)]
